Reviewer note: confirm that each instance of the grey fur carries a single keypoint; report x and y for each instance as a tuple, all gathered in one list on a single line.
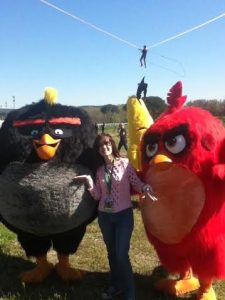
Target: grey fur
[(42, 198)]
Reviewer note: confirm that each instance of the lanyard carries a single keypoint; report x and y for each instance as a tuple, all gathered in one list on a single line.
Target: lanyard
[(108, 177)]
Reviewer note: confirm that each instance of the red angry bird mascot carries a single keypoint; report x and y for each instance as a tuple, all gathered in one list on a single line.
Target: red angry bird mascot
[(183, 158)]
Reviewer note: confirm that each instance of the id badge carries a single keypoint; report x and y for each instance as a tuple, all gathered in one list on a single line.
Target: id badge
[(108, 204)]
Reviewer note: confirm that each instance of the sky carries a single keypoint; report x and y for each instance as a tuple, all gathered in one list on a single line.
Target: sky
[(41, 46)]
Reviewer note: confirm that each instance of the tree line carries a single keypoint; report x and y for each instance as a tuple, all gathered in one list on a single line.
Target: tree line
[(110, 113)]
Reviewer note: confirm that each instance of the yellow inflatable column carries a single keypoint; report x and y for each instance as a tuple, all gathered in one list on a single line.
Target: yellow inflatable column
[(139, 120)]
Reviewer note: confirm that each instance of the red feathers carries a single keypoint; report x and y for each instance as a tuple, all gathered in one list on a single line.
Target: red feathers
[(193, 141), (174, 96)]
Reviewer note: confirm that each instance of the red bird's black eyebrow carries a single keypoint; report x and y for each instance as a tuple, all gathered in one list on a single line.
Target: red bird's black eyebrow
[(181, 129), (152, 138), (21, 123), (65, 120)]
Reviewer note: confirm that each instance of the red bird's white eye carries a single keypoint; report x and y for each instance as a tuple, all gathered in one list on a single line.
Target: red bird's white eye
[(151, 150), (176, 144)]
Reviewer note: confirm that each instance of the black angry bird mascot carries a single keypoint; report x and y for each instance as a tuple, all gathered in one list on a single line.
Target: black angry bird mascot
[(43, 146)]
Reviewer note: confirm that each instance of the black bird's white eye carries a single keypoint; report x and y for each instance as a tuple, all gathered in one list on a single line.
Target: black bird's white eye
[(151, 149), (176, 144), (34, 132), (58, 131)]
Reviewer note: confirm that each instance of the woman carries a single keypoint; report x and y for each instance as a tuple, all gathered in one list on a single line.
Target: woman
[(114, 177)]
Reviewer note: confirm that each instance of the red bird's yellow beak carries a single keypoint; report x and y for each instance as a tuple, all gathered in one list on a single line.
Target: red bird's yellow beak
[(160, 158), (161, 161), (46, 147)]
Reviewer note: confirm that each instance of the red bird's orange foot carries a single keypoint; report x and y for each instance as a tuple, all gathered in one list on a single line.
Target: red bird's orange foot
[(206, 295), (38, 274), (178, 287), (67, 273)]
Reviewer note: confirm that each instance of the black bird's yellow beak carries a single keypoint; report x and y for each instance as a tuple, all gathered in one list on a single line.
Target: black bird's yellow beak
[(46, 147)]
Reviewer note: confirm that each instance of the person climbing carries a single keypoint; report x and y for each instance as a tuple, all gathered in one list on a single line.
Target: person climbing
[(142, 87), (144, 51)]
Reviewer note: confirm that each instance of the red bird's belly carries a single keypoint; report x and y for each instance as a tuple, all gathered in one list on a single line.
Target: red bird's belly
[(181, 197)]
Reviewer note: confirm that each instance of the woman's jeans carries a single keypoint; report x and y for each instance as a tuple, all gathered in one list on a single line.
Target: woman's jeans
[(117, 230)]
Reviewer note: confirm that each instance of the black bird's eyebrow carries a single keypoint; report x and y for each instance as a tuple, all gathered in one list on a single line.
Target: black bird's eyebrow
[(59, 120), (181, 129), (21, 123), (65, 120)]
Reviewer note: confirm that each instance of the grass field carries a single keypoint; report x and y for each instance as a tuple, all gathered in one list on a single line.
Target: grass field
[(90, 256)]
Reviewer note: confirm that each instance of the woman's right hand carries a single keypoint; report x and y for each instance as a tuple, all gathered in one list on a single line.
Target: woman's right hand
[(85, 179), (148, 192)]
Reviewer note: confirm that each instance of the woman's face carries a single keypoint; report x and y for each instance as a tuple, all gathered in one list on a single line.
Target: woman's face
[(105, 147)]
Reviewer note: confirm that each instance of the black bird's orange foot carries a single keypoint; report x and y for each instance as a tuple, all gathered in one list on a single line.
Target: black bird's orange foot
[(39, 273), (66, 272)]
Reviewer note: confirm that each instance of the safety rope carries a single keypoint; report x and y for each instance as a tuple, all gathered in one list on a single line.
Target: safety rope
[(127, 42), (89, 24), (133, 45), (187, 31)]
